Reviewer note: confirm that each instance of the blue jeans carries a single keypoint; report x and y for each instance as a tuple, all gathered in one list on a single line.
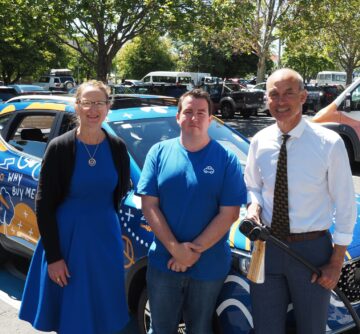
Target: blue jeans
[(173, 295)]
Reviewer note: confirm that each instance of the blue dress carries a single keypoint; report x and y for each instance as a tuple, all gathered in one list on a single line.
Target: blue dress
[(94, 300)]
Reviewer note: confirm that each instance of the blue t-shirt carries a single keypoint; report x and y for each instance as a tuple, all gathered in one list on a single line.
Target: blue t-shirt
[(191, 186)]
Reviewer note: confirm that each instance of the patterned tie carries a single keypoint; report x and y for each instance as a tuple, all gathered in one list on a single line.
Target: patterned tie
[(280, 226)]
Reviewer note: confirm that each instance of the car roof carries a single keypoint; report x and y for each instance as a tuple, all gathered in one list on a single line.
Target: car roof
[(35, 105), (7, 89), (40, 97), (118, 115), (114, 115), (24, 88)]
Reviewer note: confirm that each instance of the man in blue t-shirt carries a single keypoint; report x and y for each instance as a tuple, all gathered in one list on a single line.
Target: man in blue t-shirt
[(192, 189)]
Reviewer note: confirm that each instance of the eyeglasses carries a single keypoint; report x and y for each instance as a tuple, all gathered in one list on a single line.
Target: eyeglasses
[(85, 104)]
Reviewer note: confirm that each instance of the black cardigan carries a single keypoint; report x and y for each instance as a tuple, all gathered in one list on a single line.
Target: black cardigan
[(55, 177)]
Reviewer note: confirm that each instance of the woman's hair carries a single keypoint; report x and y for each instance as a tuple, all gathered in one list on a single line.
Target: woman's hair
[(96, 84)]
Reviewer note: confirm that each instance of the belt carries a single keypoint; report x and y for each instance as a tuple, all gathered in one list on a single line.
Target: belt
[(305, 236)]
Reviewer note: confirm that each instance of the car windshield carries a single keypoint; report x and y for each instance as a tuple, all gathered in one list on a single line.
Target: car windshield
[(140, 135), (313, 89)]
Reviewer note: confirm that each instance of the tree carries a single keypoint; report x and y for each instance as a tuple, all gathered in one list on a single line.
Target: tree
[(99, 29), (248, 27), (204, 57), (143, 55), (25, 47), (308, 64), (329, 27)]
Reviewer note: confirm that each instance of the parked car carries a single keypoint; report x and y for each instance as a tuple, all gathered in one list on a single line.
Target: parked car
[(7, 93), (330, 93), (132, 82), (230, 98), (172, 90), (27, 89), (25, 130), (41, 97), (320, 96), (58, 79), (343, 116), (259, 86), (240, 81)]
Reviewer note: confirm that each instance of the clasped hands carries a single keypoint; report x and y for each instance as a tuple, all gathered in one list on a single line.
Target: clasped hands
[(184, 255)]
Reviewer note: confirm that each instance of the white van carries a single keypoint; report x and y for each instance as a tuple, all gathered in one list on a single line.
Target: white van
[(331, 78), (174, 77)]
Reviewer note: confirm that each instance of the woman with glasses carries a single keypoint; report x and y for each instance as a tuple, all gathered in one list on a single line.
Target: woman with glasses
[(75, 282)]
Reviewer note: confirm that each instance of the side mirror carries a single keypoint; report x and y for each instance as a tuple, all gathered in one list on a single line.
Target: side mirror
[(347, 103)]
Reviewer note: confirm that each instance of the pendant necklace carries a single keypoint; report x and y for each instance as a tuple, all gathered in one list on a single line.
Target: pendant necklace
[(91, 161)]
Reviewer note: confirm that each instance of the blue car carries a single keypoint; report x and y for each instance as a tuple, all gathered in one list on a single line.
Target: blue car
[(25, 130)]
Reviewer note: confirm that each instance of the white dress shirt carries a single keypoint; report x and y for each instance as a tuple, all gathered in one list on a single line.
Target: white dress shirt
[(321, 190)]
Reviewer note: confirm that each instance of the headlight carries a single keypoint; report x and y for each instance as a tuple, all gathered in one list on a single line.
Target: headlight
[(240, 261)]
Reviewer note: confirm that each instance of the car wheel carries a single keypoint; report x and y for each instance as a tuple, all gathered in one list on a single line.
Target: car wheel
[(144, 317), (227, 110), (68, 85)]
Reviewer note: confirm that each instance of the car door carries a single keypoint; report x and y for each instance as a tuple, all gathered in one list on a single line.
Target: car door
[(22, 146)]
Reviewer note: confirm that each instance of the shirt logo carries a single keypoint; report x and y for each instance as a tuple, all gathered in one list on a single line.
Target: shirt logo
[(209, 170)]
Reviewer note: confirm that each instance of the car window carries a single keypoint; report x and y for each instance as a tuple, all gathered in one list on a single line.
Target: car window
[(3, 120), (44, 79), (4, 96), (355, 99), (164, 79), (32, 134)]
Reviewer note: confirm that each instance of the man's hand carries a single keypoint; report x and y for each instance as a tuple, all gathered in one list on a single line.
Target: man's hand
[(330, 273), (176, 266), (253, 213), (186, 253), (329, 278), (59, 273)]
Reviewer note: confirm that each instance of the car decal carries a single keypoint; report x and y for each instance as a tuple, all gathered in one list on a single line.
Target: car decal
[(7, 109), (47, 105), (129, 255)]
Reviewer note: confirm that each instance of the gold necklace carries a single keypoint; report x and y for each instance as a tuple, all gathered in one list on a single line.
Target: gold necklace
[(91, 161)]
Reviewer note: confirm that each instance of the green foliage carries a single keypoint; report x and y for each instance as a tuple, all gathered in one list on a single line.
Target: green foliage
[(329, 28), (308, 65), (143, 55), (202, 57), (99, 29), (25, 47)]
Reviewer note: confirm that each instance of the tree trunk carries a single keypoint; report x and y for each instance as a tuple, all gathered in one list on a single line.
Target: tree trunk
[(261, 68), (103, 66), (349, 72)]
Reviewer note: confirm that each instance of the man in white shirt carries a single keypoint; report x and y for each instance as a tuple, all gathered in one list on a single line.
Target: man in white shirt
[(319, 192)]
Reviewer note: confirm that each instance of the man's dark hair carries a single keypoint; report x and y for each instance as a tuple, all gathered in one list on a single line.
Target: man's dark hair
[(196, 93)]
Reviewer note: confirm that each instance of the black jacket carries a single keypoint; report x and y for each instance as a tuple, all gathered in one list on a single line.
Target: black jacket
[(55, 177)]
